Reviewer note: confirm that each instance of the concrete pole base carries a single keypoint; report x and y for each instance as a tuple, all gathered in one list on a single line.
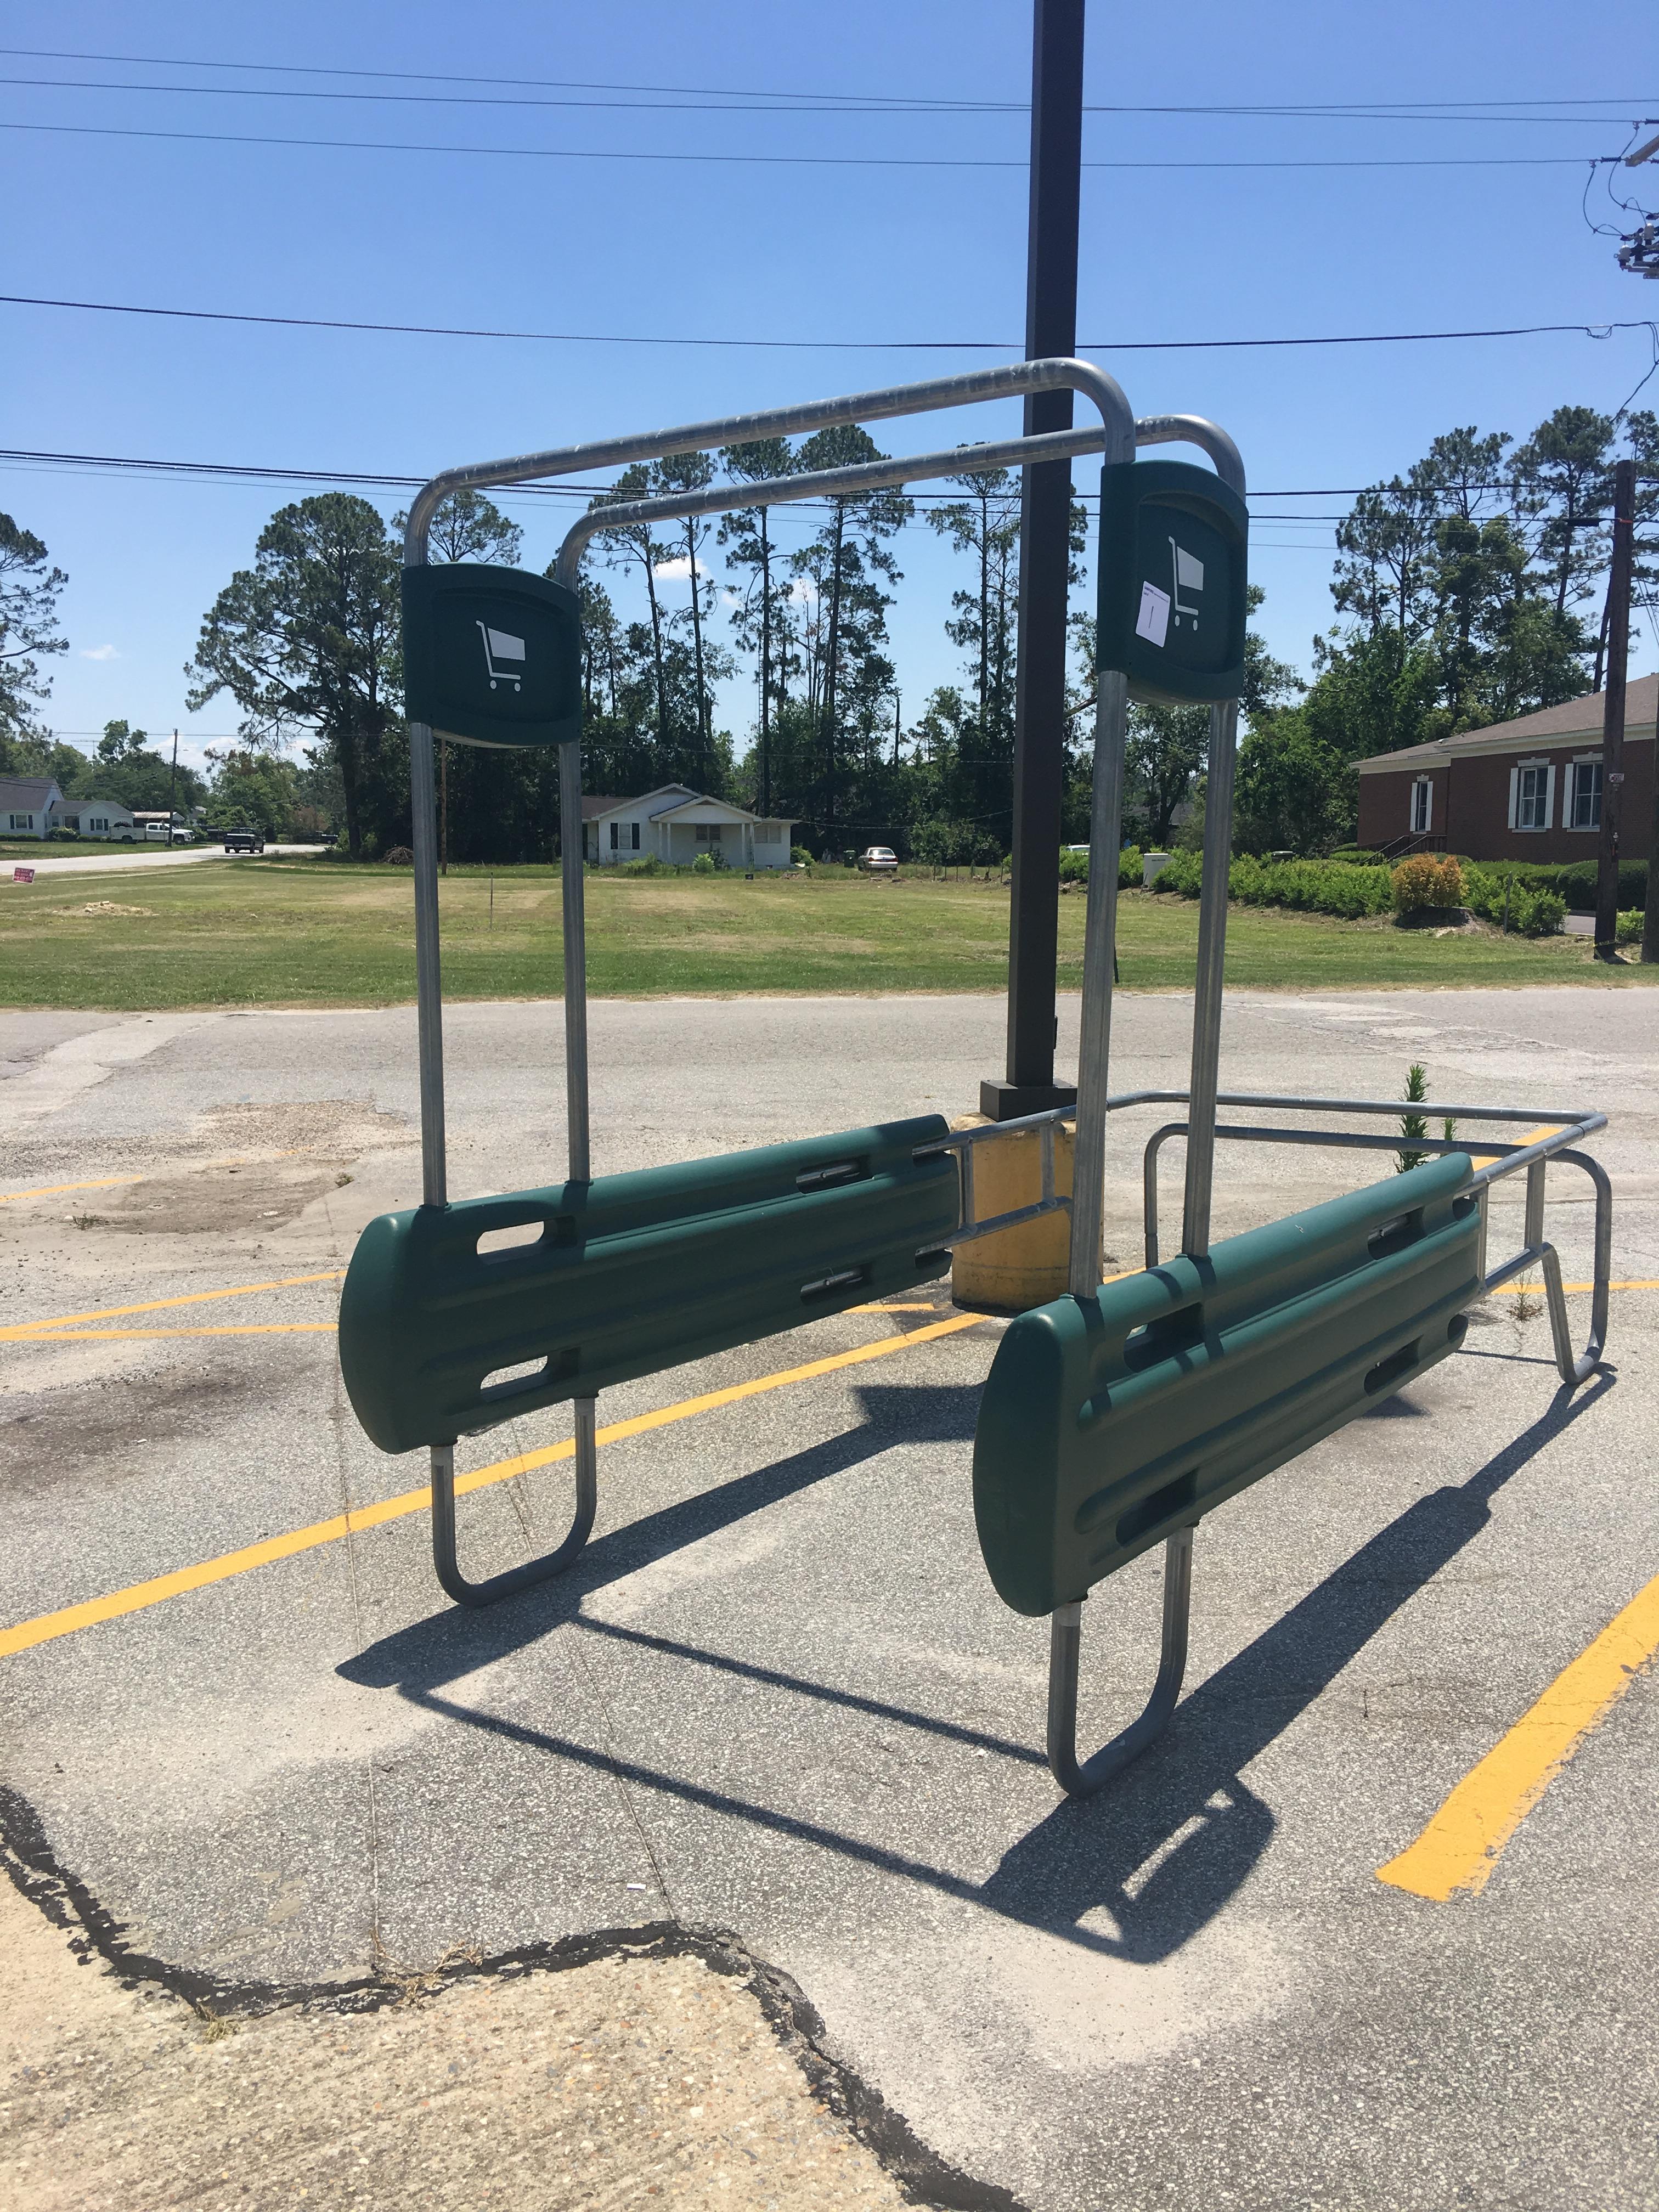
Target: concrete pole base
[(1026, 1266)]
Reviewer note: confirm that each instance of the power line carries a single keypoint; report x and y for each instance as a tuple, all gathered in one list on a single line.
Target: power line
[(786, 105), (426, 149), (250, 472), (872, 102), (1598, 331)]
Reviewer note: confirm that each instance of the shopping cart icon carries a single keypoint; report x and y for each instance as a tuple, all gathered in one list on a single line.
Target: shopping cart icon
[(1189, 572), (500, 645)]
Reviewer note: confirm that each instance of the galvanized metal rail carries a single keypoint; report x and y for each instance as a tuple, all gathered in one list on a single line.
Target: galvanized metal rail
[(1114, 437)]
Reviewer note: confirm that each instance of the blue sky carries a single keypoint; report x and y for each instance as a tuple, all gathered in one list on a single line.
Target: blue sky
[(683, 249)]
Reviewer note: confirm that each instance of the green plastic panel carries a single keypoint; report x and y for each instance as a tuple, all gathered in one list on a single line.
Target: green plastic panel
[(1174, 553), (630, 1273), (1109, 1423), (492, 656)]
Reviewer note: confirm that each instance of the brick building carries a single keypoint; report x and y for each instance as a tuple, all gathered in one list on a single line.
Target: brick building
[(1525, 790)]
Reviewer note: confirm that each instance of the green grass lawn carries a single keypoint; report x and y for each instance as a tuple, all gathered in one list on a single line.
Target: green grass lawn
[(13, 849), (298, 933)]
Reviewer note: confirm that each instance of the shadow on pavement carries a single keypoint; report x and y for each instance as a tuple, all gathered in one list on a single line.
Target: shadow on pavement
[(1181, 1811)]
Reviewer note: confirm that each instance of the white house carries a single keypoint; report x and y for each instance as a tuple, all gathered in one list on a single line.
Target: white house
[(677, 825), (97, 817), (26, 805)]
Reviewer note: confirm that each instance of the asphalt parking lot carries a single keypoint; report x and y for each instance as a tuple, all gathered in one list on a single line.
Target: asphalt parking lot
[(777, 1696)]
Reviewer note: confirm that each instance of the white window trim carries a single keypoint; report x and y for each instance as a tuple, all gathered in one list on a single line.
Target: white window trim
[(1426, 784), (1532, 829)]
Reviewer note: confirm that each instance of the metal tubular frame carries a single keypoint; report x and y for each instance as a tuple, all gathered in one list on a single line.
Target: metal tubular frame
[(1081, 1779), (1116, 436), (1513, 1159)]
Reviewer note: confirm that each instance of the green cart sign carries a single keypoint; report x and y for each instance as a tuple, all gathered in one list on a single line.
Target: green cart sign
[(1173, 546), (492, 656)]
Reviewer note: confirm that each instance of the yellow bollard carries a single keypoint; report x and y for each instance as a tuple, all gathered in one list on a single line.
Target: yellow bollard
[(1025, 1266)]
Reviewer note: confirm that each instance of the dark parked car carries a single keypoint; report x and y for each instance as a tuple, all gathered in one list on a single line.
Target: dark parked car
[(245, 841)]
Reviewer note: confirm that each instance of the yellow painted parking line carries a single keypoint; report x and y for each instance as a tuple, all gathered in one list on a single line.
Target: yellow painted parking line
[(245, 1328), (1458, 1850), (29, 1329), (138, 1595), (59, 1189), (1532, 1137), (1536, 1290), (893, 1307)]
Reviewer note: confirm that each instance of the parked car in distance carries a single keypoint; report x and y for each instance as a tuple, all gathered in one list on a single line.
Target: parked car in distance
[(244, 840), (879, 860)]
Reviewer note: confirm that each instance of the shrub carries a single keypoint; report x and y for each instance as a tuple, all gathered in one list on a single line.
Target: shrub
[(1130, 868), (400, 857), (1534, 909), (1073, 867), (1305, 886), (648, 865), (1356, 856), (1630, 926), (800, 856), (704, 865), (1576, 883), (1427, 879)]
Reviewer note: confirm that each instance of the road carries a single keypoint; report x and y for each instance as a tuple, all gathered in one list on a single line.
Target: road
[(777, 1696), (126, 857)]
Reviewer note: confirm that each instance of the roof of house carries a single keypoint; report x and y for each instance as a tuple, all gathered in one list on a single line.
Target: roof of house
[(1574, 719), (596, 804), (28, 792), (677, 797)]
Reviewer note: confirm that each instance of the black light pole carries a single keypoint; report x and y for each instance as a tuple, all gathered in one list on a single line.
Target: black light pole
[(1044, 565), (173, 788)]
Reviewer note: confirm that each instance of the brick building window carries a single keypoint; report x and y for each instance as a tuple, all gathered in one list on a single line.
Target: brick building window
[(1532, 795), (1422, 806), (1584, 795)]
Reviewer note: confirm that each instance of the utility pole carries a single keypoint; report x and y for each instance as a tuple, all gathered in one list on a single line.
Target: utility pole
[(173, 787), (1044, 574), (1613, 715)]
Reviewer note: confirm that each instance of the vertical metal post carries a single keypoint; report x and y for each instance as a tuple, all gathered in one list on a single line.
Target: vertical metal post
[(573, 852), (573, 837), (1044, 572), (428, 981), (1612, 714), (1207, 988), (1099, 955)]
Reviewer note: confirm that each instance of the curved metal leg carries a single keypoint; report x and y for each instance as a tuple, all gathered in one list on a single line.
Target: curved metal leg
[(534, 1570), (1082, 1780)]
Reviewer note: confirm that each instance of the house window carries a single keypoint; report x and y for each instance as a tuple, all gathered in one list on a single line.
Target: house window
[(1584, 804), (99, 822), (1532, 798), (22, 822), (768, 833), (708, 833), (1422, 805)]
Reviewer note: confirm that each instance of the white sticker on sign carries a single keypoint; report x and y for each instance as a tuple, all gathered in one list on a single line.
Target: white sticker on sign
[(1152, 621)]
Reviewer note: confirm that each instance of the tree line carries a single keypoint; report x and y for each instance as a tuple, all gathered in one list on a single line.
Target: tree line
[(1465, 592)]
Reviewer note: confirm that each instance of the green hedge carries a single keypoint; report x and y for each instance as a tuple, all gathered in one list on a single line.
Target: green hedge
[(1074, 867), (1534, 910), (1348, 890), (1335, 887)]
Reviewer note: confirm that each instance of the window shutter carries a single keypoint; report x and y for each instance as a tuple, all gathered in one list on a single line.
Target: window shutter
[(1514, 796)]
